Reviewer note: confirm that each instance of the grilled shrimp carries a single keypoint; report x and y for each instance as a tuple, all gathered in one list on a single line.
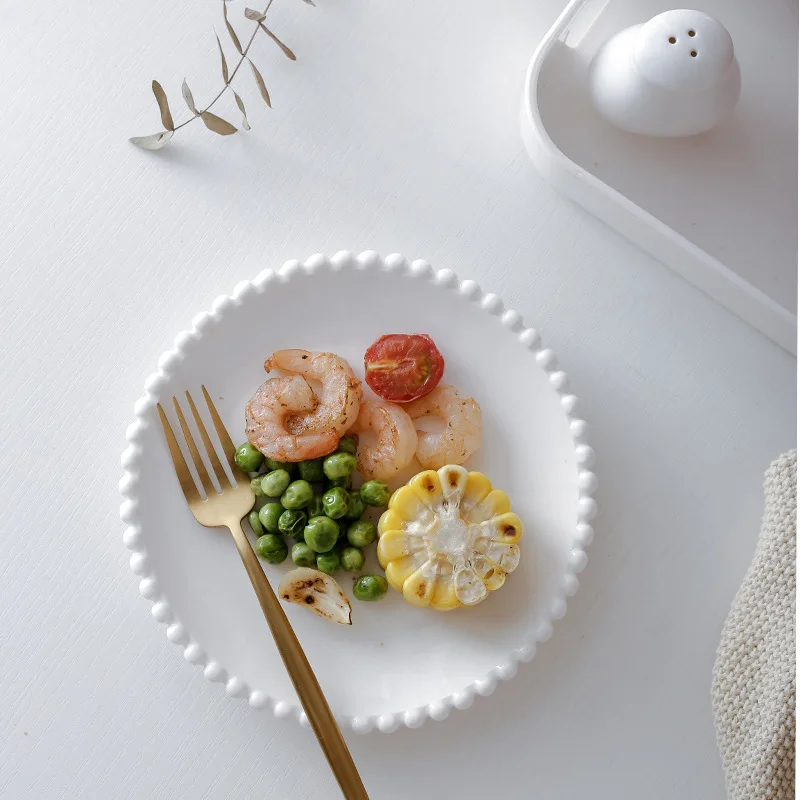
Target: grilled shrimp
[(395, 444), (338, 405), (462, 432), (275, 402)]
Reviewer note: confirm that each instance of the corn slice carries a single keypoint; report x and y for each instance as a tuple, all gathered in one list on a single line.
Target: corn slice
[(448, 538)]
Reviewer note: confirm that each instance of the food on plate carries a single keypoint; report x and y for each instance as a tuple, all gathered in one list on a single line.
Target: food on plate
[(287, 422), (329, 562), (311, 471), (271, 548), (298, 494), (356, 508), (303, 555), (292, 522), (352, 559), (268, 415), (317, 592), (447, 538), (348, 444), (361, 533), (321, 534), (274, 483), (375, 493), (248, 458), (370, 587), (336, 502), (339, 465), (395, 439), (255, 523), (401, 367), (337, 406), (269, 516), (462, 432), (316, 508), (271, 464)]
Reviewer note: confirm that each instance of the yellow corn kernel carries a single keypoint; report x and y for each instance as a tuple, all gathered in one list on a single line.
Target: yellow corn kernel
[(444, 597), (489, 572), (478, 487), (494, 504), (398, 569), (407, 504), (454, 480), (390, 521), (418, 588), (470, 589), (428, 487), (396, 544), (506, 528)]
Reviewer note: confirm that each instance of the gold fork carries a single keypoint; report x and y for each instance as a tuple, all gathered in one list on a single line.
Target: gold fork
[(225, 509)]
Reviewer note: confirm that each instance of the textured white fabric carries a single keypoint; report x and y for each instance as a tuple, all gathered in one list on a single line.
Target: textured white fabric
[(753, 688)]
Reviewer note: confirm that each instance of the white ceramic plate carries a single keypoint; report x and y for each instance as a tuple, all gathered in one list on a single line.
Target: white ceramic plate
[(396, 665)]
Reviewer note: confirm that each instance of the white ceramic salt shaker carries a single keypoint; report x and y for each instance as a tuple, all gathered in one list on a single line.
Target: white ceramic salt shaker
[(675, 75)]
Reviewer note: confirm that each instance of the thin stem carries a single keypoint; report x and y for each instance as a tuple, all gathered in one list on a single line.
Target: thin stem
[(232, 75)]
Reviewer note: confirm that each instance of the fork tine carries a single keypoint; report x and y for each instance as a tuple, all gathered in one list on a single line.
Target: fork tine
[(198, 462), (228, 446), (179, 462), (212, 453)]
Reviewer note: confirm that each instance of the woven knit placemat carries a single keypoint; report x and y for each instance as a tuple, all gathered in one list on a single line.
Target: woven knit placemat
[(753, 687)]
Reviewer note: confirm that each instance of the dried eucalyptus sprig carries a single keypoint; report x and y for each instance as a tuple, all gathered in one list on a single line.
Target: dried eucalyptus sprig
[(156, 141)]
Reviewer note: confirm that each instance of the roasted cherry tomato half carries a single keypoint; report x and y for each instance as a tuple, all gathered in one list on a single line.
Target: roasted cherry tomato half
[(401, 367)]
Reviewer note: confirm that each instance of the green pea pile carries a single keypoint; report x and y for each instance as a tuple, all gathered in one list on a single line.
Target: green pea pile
[(314, 503)]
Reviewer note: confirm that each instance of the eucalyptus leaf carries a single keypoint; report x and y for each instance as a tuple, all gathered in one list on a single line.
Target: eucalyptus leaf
[(187, 96), (163, 106), (256, 16), (262, 87), (155, 141), (240, 103), (217, 124), (286, 51), (234, 38), (224, 62)]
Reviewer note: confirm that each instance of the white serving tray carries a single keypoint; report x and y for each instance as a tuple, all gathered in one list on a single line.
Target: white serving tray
[(719, 208)]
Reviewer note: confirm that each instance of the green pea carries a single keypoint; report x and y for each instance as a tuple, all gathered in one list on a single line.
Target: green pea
[(321, 534), (370, 587), (269, 515), (328, 562), (348, 444), (298, 494), (271, 548), (345, 483), (274, 483), (255, 523), (292, 522), (315, 507), (311, 471), (255, 485), (248, 458), (356, 509), (339, 465), (271, 464), (361, 533), (303, 555), (352, 559), (375, 493), (336, 502)]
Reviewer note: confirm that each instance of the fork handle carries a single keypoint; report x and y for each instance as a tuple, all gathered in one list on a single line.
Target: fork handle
[(305, 682)]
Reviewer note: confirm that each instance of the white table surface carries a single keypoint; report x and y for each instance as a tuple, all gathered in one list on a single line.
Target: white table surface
[(396, 130)]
